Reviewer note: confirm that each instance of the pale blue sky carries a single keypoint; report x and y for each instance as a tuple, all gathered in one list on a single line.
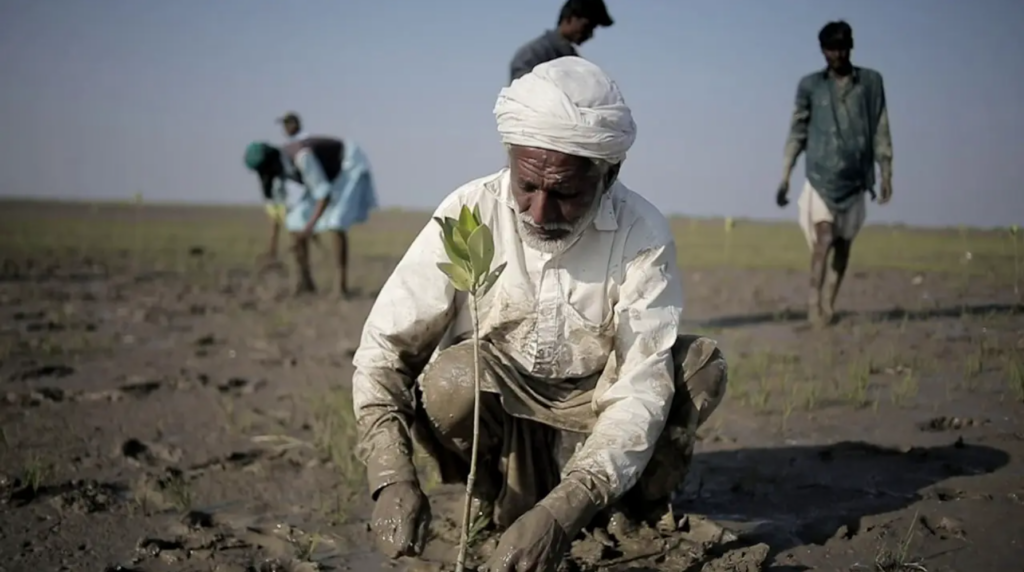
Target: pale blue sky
[(103, 98)]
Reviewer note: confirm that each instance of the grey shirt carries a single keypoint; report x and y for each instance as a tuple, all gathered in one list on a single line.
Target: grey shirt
[(548, 46), (843, 126)]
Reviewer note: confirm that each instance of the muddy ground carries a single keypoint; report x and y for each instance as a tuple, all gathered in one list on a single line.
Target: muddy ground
[(165, 408)]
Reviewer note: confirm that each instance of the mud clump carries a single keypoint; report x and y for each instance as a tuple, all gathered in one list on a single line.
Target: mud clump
[(938, 424), (750, 559)]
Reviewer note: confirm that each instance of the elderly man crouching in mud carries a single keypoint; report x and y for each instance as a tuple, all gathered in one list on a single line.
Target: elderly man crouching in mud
[(591, 397)]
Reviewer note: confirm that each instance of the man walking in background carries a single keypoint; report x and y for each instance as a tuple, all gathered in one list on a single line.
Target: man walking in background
[(840, 120), (576, 24)]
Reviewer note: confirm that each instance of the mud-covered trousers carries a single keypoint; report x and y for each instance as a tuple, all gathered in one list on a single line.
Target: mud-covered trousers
[(520, 459)]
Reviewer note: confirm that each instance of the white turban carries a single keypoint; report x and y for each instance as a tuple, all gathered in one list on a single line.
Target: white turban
[(568, 105)]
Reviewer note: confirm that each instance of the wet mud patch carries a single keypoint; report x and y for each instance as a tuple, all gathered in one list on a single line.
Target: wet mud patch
[(179, 289), (795, 496), (238, 541)]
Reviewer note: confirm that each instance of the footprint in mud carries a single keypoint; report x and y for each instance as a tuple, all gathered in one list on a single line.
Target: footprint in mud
[(45, 326), (150, 454), (236, 459), (37, 397), (204, 344), (205, 341), (58, 371), (240, 386), (24, 316), (140, 389)]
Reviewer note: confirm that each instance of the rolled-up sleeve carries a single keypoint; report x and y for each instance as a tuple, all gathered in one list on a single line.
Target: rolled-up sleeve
[(633, 408), (796, 139), (408, 320), (313, 175)]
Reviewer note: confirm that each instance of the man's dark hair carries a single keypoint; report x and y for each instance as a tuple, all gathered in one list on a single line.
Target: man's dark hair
[(593, 10), (836, 35)]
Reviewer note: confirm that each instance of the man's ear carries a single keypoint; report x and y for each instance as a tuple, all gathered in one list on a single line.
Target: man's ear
[(612, 175)]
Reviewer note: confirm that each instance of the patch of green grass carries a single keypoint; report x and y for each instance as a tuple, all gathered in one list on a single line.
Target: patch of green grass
[(162, 236), (178, 490), (898, 559), (335, 438), (906, 390), (974, 364), (859, 382), (36, 472)]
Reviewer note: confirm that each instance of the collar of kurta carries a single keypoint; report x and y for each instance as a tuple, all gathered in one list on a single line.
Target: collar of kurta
[(854, 73), (605, 221)]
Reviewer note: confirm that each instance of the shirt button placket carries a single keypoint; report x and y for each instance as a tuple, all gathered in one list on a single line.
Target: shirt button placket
[(547, 320)]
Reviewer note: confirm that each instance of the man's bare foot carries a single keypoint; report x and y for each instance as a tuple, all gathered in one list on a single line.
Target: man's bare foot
[(828, 313), (814, 311)]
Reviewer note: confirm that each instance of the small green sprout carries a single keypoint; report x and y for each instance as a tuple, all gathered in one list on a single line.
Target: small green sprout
[(470, 248), (469, 245)]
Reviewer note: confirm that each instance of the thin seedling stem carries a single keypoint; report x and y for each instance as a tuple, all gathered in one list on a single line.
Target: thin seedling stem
[(460, 564)]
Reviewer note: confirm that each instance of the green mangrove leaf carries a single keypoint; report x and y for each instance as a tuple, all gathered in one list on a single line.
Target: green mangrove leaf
[(457, 275), (490, 279), (467, 222), (481, 252)]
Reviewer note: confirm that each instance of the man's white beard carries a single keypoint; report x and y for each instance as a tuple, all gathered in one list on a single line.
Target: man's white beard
[(531, 233)]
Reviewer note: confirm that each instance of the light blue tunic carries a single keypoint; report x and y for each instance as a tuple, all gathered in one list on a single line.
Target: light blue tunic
[(352, 196)]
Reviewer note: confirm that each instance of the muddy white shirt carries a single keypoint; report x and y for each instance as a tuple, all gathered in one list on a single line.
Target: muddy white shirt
[(614, 293)]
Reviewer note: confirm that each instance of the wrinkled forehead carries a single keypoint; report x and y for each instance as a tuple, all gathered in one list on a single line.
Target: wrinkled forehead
[(540, 158)]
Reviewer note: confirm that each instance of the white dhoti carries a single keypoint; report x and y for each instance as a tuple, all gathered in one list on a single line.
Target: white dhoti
[(813, 210)]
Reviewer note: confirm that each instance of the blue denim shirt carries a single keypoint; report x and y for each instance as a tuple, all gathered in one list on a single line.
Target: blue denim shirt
[(843, 126), (548, 46)]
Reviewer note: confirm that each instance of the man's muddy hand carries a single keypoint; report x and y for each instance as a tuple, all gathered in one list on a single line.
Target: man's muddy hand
[(780, 194), (886, 192), (401, 518), (534, 543)]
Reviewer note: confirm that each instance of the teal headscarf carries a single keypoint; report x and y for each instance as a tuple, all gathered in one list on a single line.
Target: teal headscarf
[(256, 154)]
